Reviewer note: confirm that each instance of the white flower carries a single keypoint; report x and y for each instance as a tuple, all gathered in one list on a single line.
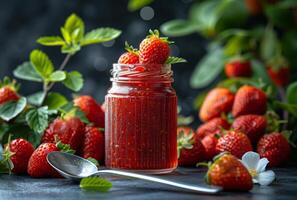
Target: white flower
[(256, 166)]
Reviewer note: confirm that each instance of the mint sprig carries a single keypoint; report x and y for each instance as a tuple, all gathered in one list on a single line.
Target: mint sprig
[(95, 183), (174, 60)]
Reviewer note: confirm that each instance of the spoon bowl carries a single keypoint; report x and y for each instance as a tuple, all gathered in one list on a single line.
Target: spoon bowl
[(74, 167)]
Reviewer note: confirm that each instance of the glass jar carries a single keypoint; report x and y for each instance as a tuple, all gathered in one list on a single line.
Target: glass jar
[(141, 119)]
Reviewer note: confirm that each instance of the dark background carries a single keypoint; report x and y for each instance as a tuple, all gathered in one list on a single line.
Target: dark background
[(22, 22)]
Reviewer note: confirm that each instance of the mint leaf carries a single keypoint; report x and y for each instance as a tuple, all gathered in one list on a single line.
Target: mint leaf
[(71, 49), (95, 183), (41, 63), (134, 5), (11, 109), (57, 76), (73, 81), (100, 35), (66, 35), (51, 41), (27, 72), (37, 98), (174, 60), (55, 101), (37, 119), (179, 27), (75, 27)]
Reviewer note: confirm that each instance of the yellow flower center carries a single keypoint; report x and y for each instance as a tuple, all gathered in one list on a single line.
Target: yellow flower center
[(253, 172)]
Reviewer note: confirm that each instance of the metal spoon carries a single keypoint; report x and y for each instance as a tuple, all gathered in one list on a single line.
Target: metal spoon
[(75, 167)]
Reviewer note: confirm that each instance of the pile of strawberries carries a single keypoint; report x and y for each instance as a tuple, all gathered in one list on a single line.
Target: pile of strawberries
[(66, 133), (247, 132)]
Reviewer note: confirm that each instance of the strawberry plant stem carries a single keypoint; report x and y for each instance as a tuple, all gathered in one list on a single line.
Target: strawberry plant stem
[(282, 94)]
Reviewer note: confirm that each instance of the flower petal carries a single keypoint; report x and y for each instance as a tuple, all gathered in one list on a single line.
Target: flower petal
[(267, 177), (255, 180), (262, 165), (250, 159)]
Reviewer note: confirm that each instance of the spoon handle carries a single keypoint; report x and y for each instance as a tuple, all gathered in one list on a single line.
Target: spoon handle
[(208, 190)]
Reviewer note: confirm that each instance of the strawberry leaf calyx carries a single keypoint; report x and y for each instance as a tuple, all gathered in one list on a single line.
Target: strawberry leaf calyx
[(185, 141), (11, 83), (6, 164), (131, 49), (63, 147), (174, 60), (156, 33)]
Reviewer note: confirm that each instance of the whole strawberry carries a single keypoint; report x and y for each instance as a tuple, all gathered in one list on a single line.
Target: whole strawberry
[(38, 166), (129, 57), (217, 102), (91, 108), (93, 145), (190, 149), (253, 126), (249, 100), (234, 142), (279, 76), (211, 127), (8, 91), (210, 142), (275, 148), (238, 68), (21, 151), (70, 130), (154, 49), (228, 172)]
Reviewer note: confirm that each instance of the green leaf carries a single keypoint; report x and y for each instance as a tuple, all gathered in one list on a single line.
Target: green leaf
[(269, 45), (37, 119), (208, 68), (134, 5), (95, 183), (66, 35), (81, 115), (174, 60), (291, 108), (178, 27), (55, 101), (57, 76), (41, 63), (11, 109), (280, 15), (197, 103), (51, 41), (73, 81), (27, 72), (100, 35), (36, 99), (75, 27), (71, 49), (259, 71), (292, 93)]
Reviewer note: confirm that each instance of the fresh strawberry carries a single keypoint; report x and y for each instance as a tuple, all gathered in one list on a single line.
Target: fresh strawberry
[(254, 6), (275, 148), (129, 57), (249, 100), (154, 49), (91, 108), (21, 151), (217, 102), (238, 68), (279, 76), (93, 146), (210, 142), (228, 172), (211, 127), (38, 166), (253, 126), (8, 91), (70, 130), (235, 142), (190, 149)]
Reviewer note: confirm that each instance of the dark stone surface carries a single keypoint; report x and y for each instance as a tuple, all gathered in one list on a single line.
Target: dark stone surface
[(21, 187)]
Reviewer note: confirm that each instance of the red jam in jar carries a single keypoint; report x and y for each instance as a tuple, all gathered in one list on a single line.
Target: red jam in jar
[(141, 119)]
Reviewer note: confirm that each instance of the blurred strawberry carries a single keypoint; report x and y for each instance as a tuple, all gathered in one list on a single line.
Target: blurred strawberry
[(93, 145), (209, 142), (253, 126), (217, 102), (211, 127), (254, 6), (154, 49), (8, 90), (279, 76), (275, 148), (70, 130), (238, 68), (249, 100), (228, 172), (235, 142), (129, 57), (92, 109), (190, 149)]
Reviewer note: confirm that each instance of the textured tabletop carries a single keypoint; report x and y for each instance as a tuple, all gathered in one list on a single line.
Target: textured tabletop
[(23, 187)]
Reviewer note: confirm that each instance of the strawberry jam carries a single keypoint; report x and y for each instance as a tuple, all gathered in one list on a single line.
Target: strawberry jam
[(141, 119)]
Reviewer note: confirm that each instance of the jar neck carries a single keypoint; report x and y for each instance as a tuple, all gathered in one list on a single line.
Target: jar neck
[(125, 73)]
